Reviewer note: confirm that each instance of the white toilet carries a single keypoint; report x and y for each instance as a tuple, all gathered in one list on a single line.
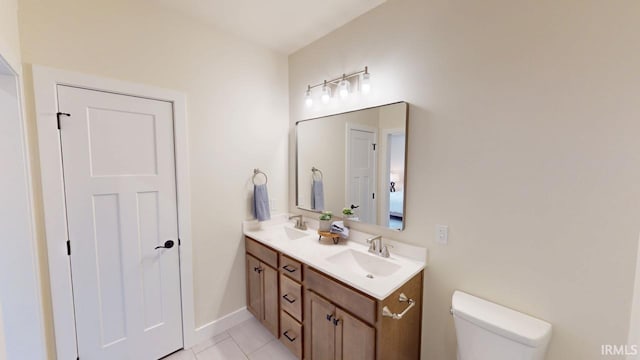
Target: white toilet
[(488, 331)]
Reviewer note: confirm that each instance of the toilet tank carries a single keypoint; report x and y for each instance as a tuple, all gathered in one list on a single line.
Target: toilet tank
[(488, 331)]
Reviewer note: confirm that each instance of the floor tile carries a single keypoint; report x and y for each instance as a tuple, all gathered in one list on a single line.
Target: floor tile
[(210, 342), (181, 355), (224, 350), (272, 350), (250, 335)]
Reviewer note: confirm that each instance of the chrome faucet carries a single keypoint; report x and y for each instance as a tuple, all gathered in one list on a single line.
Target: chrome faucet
[(377, 247), (300, 225), (375, 243)]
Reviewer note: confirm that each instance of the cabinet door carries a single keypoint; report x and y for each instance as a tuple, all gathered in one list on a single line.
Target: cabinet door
[(320, 329), (254, 287), (271, 313), (355, 340)]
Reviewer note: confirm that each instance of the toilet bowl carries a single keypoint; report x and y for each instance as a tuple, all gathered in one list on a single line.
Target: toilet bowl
[(488, 331)]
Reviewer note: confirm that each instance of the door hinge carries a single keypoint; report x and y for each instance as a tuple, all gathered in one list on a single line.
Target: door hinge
[(68, 247), (374, 147), (179, 242), (58, 117), (373, 196)]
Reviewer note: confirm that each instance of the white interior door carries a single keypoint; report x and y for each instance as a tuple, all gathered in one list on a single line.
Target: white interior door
[(361, 173), (119, 172)]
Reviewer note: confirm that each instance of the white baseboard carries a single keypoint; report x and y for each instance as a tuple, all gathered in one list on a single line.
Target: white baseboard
[(218, 326)]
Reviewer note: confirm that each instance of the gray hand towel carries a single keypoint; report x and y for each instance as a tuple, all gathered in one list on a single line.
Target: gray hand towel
[(337, 227), (317, 195), (261, 202)]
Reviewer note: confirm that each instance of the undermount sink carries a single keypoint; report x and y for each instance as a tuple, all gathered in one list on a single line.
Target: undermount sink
[(284, 232), (364, 264)]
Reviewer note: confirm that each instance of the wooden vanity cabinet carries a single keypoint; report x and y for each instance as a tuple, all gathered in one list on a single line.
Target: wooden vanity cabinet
[(334, 333), (291, 300), (319, 318), (343, 323), (262, 286)]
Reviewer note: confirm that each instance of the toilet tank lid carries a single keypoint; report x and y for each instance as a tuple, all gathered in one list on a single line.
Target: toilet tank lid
[(501, 320)]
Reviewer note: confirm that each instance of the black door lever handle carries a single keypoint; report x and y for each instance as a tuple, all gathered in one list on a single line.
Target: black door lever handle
[(167, 245)]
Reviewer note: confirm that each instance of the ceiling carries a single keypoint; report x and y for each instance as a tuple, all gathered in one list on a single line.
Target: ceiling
[(282, 25)]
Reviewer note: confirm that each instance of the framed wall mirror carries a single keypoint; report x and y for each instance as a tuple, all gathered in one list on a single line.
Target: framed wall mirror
[(355, 160)]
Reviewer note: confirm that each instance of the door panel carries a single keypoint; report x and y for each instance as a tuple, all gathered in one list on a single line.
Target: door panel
[(149, 228), (271, 300), (110, 284), (355, 340), (322, 334), (254, 288), (119, 172), (361, 174)]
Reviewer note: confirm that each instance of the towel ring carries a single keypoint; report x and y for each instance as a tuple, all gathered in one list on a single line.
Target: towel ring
[(315, 170), (256, 172)]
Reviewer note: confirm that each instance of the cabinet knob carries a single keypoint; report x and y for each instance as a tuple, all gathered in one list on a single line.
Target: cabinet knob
[(286, 297), (257, 269), (329, 316)]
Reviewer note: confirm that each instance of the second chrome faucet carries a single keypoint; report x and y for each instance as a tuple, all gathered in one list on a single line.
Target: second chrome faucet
[(300, 224), (377, 247)]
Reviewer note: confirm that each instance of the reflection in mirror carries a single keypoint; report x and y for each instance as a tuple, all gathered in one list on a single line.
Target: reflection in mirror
[(354, 161)]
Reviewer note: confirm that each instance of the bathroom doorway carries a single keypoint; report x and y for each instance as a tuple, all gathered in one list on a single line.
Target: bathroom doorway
[(115, 196), (361, 170)]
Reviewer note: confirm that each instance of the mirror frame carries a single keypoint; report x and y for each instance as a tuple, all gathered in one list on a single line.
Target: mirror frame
[(406, 152)]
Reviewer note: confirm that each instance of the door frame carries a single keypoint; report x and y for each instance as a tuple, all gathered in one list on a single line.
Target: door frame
[(385, 136), (45, 81), (32, 329), (347, 192)]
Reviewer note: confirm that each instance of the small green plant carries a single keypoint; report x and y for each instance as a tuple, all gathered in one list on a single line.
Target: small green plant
[(347, 211), (326, 215)]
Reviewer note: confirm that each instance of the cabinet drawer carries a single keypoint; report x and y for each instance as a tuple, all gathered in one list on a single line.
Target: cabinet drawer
[(266, 255), (291, 334), (291, 268), (351, 300), (291, 297)]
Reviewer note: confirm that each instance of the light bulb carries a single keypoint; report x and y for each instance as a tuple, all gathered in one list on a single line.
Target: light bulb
[(365, 85), (326, 93), (344, 87), (308, 100)]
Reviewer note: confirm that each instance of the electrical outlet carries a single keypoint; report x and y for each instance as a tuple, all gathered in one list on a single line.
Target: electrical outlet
[(442, 234)]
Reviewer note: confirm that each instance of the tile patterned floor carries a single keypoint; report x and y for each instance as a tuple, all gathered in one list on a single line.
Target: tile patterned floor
[(248, 340)]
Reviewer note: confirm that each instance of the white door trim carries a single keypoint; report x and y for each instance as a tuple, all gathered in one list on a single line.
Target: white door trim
[(386, 170), (45, 82), (37, 347)]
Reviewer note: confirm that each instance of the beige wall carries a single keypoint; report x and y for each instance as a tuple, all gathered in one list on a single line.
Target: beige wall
[(523, 138), (9, 39), (237, 107)]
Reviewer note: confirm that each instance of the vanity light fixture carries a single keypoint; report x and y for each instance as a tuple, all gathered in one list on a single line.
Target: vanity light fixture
[(365, 85), (342, 85), (326, 92), (308, 100)]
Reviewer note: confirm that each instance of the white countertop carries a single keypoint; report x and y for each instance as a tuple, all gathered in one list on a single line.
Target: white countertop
[(315, 253)]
